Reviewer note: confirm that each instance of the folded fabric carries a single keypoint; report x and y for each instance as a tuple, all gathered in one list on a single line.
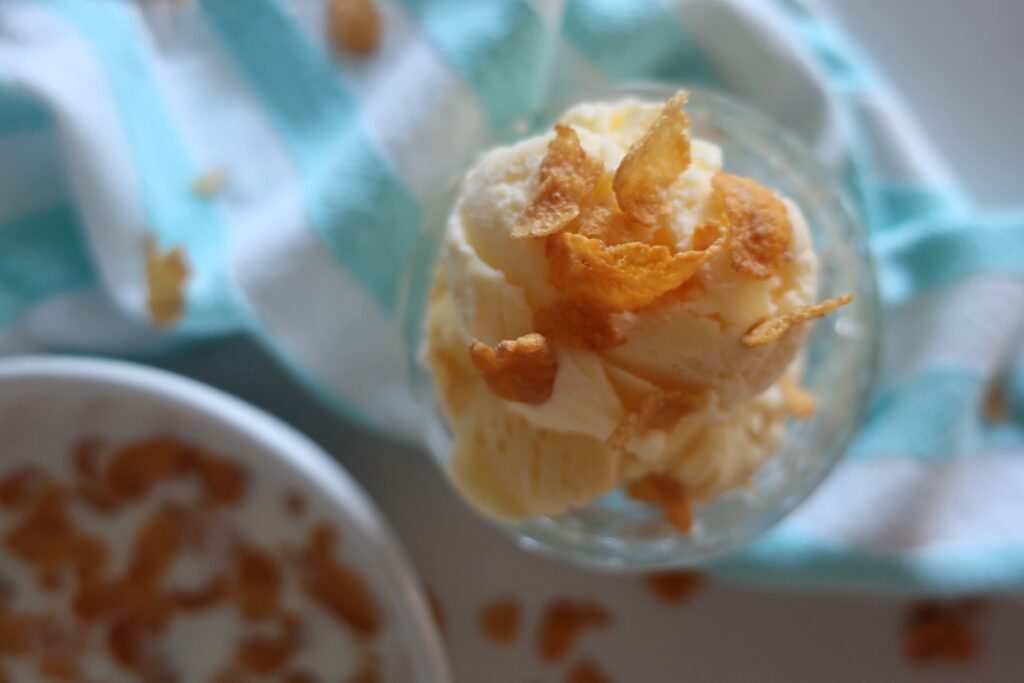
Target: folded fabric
[(294, 180)]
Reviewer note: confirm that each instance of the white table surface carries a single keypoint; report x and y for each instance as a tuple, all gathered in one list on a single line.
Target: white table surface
[(959, 64)]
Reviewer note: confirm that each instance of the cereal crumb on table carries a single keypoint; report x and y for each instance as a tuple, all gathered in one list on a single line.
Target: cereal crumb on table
[(586, 671), (500, 620), (941, 631), (673, 586), (564, 621)]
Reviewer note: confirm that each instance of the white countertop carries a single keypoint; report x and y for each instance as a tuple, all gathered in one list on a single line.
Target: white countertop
[(959, 65)]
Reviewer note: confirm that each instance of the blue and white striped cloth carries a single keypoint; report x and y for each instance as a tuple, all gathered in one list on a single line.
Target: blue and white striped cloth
[(110, 109)]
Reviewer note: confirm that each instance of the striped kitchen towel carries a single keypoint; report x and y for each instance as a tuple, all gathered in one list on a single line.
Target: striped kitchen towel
[(138, 136)]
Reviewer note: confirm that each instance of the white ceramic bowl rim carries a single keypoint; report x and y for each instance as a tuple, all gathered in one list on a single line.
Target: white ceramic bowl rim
[(393, 570)]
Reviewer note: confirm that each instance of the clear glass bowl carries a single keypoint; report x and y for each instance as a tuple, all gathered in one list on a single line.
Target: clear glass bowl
[(616, 533)]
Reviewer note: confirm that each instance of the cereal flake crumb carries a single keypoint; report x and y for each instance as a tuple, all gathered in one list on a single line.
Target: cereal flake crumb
[(562, 623), (499, 620), (667, 492), (578, 326), (654, 162), (759, 228), (521, 370), (773, 329), (657, 411), (210, 184), (295, 503), (567, 176), (936, 631), (586, 671), (166, 276), (620, 277), (354, 26), (673, 586)]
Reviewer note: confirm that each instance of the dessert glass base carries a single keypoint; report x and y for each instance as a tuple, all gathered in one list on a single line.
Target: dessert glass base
[(615, 532)]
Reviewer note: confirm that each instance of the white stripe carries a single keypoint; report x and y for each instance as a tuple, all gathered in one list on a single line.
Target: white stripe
[(904, 136), (1016, 355), (970, 325), (761, 63), (424, 118), (36, 49), (898, 144), (900, 504), (299, 294), (323, 319), (574, 76), (86, 320), (31, 176), (550, 13)]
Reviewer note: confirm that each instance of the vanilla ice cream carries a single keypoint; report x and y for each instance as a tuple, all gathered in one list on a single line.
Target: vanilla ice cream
[(519, 458)]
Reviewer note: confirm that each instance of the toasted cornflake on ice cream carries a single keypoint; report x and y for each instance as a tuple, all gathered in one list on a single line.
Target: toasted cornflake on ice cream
[(612, 309)]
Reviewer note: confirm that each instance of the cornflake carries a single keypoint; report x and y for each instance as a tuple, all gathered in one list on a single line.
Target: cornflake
[(601, 218), (578, 326), (667, 492), (774, 328), (259, 582), (660, 410), (936, 631), (654, 162), (562, 623), (166, 275), (500, 619), (567, 176), (354, 26), (264, 654), (706, 234), (521, 370), (673, 586), (337, 587), (759, 228), (210, 183), (621, 277), (586, 671), (22, 485)]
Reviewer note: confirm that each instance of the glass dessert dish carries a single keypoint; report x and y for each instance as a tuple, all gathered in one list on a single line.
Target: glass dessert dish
[(621, 532)]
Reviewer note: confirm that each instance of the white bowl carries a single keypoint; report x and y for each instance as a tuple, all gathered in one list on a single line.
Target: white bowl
[(48, 403)]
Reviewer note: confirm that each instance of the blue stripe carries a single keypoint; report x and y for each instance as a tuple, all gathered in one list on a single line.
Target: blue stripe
[(500, 49), (1013, 391), (936, 415), (638, 39), (163, 166), (847, 70), (904, 200), (20, 111), (794, 557), (359, 208), (933, 253), (41, 255)]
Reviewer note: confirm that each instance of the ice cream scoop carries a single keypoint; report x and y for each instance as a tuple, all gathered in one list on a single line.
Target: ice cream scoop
[(589, 325)]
